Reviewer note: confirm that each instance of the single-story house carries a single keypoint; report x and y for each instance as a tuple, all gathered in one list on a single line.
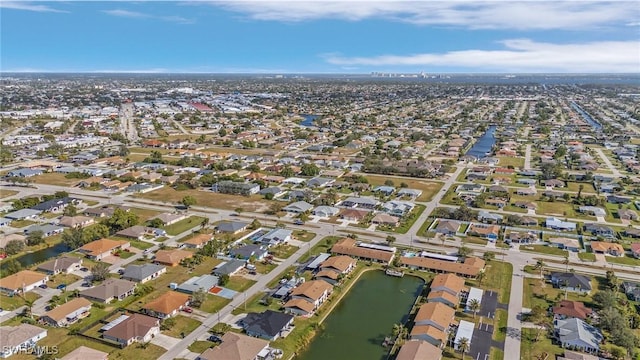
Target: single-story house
[(419, 350), (143, 273), (600, 230), (110, 289), (557, 224), (571, 282), (489, 232), (251, 250), (204, 283), (63, 264), (22, 282), (571, 309), (237, 347), (56, 205), (627, 214), (447, 227), (607, 248), (46, 229), (565, 243), (354, 214), (198, 241), (171, 257), (276, 237), (385, 219), (135, 328), (325, 211), (99, 249), (576, 334), (298, 207), (5, 221), (86, 353), (230, 267), (16, 338), (169, 218), (232, 227), (166, 305), (67, 313), (269, 325), (489, 217), (139, 232), (23, 214), (76, 221)]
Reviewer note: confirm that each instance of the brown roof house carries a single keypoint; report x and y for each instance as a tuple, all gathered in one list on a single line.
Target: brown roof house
[(135, 328), (76, 221), (198, 241), (63, 264), (469, 268), (110, 289), (86, 353), (332, 269), (447, 289), (237, 347), (166, 305), (67, 313), (99, 249), (432, 323), (571, 309), (22, 282), (172, 257), (419, 350), (607, 248), (365, 251), (308, 297)]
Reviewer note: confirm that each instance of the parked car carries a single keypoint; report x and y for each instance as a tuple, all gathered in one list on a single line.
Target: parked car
[(298, 222), (43, 286), (61, 286), (187, 310), (84, 269), (86, 284), (215, 338)]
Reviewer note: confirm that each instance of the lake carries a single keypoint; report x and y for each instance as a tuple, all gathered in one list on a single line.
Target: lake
[(484, 144), (41, 255), (308, 119), (357, 326)]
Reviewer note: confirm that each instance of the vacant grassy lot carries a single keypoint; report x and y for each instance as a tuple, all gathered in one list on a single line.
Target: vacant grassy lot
[(537, 292), (429, 188), (184, 225), (625, 260), (7, 193), (199, 347), (544, 249), (183, 325), (145, 214), (54, 179), (213, 304), (575, 186), (14, 302), (283, 251), (138, 244), (58, 279), (585, 256), (21, 223), (532, 349), (516, 162), (555, 208), (497, 278), (304, 235), (239, 283), (253, 203)]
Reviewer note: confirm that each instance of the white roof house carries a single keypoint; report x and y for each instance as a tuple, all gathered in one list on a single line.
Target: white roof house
[(465, 331)]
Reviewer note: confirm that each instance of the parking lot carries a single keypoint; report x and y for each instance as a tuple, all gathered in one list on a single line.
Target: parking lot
[(481, 342)]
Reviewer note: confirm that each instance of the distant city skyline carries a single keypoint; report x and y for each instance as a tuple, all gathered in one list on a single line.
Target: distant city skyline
[(320, 37)]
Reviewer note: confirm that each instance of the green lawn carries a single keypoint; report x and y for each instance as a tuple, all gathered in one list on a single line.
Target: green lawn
[(55, 280), (323, 246), (262, 268), (138, 244), (22, 223), (544, 249), (585, 256), (407, 222), (283, 251), (556, 208), (497, 278), (183, 325), (304, 235), (14, 302), (625, 260), (213, 303), (239, 283), (254, 304), (184, 225), (138, 352), (544, 294), (517, 162), (500, 325), (70, 343), (125, 254), (531, 349), (199, 347), (425, 226), (474, 240)]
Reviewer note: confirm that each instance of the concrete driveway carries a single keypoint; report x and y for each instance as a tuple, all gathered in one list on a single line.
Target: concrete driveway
[(165, 341)]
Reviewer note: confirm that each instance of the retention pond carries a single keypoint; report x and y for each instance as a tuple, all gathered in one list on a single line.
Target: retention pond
[(358, 325)]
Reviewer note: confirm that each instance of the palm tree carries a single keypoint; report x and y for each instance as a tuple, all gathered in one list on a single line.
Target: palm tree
[(566, 261), (540, 265), (474, 306), (481, 276), (29, 305), (463, 346)]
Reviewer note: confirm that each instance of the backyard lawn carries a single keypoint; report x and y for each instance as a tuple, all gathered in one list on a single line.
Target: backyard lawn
[(138, 244), (183, 325), (184, 225), (138, 352), (55, 280)]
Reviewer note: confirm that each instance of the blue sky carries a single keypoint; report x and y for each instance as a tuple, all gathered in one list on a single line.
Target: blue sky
[(320, 37)]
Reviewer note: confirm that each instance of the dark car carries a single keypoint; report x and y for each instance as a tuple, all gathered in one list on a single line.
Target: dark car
[(187, 310), (61, 286), (43, 286), (298, 222), (215, 338)]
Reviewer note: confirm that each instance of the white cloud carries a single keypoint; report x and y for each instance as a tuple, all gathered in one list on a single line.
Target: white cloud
[(477, 14), (140, 15), (518, 55), (28, 6)]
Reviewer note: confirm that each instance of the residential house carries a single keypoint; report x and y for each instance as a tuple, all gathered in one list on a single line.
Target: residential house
[(607, 248), (46, 229), (419, 350), (276, 237), (600, 230), (632, 289), (525, 205), (385, 190), (236, 188), (23, 214), (5, 222), (198, 241), (627, 214), (246, 252), (469, 268), (86, 353), (565, 243), (7, 238), (557, 224), (318, 182), (298, 207), (592, 210), (531, 191), (76, 221), (489, 232), (16, 339), (203, 282), (364, 251), (571, 309), (171, 257), (231, 227), (635, 250), (99, 249), (615, 199), (103, 211), (576, 334), (56, 205), (554, 183), (325, 211), (139, 232), (269, 325), (111, 289), (573, 355), (521, 237), (307, 297), (237, 347), (63, 264), (432, 322), (571, 282), (360, 203), (67, 313), (354, 214), (135, 328), (166, 305), (632, 232), (398, 208), (447, 289), (143, 273), (411, 193), (447, 227), (385, 219), (22, 282), (334, 267), (169, 218), (488, 217), (230, 267)]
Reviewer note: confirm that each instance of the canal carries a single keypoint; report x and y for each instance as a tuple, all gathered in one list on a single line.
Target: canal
[(357, 326), (585, 115), (484, 145), (39, 256)]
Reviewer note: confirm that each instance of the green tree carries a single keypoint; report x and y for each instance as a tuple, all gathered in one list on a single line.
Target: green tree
[(73, 238), (391, 239), (287, 171), (464, 251), (70, 210), (14, 246), (155, 223), (95, 232), (463, 346), (188, 201), (388, 182), (197, 298), (100, 271), (121, 220), (223, 280), (35, 238), (489, 256), (474, 306), (11, 266), (310, 170)]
